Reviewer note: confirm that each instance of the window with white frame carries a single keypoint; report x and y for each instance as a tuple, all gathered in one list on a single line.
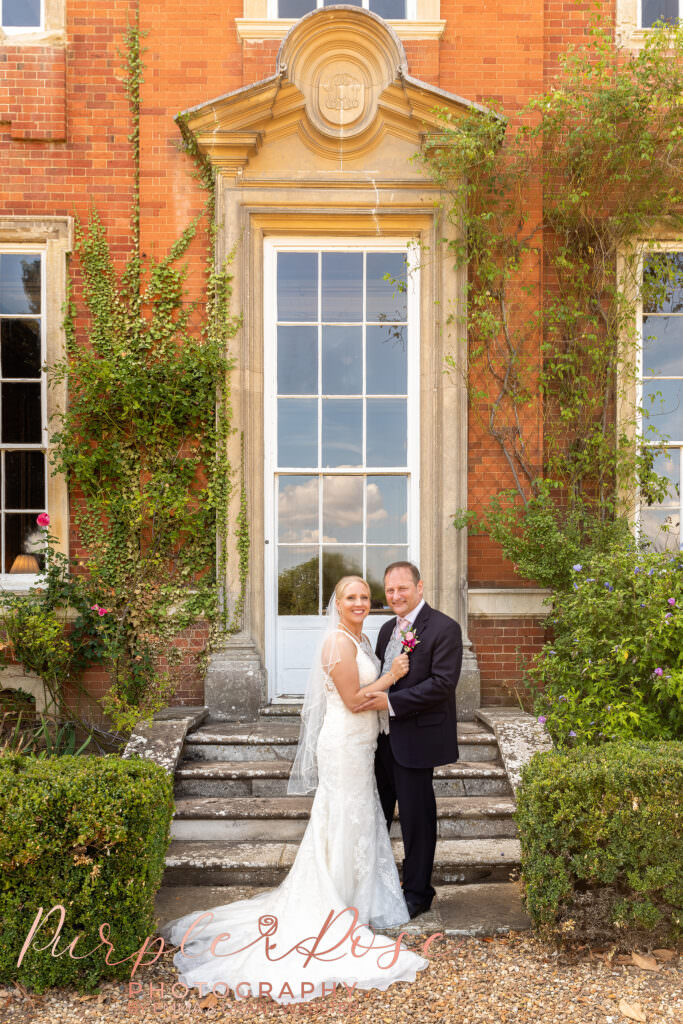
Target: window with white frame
[(342, 466), (661, 331), (659, 10), (21, 15), (23, 479), (396, 9)]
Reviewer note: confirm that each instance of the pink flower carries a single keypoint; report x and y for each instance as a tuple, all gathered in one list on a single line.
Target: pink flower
[(43, 519), (659, 672), (671, 601), (409, 641), (101, 611), (94, 607)]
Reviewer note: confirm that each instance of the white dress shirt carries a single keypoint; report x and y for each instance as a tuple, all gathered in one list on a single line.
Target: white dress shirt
[(411, 616)]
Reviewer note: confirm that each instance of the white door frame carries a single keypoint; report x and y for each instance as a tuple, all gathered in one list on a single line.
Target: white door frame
[(325, 243)]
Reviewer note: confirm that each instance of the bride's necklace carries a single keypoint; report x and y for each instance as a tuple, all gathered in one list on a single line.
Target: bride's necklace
[(350, 633)]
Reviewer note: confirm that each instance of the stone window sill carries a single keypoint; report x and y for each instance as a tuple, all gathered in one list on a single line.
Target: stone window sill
[(39, 37), (251, 29)]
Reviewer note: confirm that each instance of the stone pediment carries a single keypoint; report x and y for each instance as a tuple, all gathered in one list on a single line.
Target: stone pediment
[(341, 80)]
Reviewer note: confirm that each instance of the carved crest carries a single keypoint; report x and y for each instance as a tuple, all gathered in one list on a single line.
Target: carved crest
[(342, 92)]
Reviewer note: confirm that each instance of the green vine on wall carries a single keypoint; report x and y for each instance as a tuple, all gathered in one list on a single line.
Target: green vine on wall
[(230, 620), (243, 544), (144, 443), (550, 213)]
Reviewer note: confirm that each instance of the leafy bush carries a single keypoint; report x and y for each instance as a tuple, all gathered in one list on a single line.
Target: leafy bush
[(615, 666), (89, 833), (545, 537), (602, 842)]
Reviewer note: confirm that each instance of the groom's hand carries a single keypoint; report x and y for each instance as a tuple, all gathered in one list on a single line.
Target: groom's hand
[(374, 702)]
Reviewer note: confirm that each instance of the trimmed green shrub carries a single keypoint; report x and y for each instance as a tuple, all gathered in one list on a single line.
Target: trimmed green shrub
[(601, 832), (89, 833)]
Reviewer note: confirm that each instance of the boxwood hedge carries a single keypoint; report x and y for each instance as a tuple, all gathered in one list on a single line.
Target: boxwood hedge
[(601, 832), (89, 833)]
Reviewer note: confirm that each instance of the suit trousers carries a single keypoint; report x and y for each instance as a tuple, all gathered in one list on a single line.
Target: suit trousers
[(413, 789)]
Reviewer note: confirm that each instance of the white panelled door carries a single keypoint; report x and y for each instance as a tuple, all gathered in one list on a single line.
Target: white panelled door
[(341, 433)]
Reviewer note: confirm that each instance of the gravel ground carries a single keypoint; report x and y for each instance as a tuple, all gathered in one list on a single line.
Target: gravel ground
[(515, 978)]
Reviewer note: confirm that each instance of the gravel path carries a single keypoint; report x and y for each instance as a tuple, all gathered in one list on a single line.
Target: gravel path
[(515, 978)]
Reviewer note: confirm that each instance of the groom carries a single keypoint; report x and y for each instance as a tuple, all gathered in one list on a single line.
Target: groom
[(422, 723)]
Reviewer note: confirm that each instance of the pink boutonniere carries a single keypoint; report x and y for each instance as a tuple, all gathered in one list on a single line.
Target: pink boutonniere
[(409, 641)]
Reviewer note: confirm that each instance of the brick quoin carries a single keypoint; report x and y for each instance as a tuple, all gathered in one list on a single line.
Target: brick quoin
[(64, 122)]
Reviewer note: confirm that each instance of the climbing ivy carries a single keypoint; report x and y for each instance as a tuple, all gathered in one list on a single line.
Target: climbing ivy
[(243, 543), (144, 441), (550, 210)]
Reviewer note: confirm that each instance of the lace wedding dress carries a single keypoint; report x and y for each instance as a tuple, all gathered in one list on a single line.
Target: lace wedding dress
[(344, 861)]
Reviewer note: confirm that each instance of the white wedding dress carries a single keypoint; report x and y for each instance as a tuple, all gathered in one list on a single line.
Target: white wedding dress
[(344, 861)]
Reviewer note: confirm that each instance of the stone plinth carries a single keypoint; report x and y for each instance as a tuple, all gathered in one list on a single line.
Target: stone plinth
[(235, 681)]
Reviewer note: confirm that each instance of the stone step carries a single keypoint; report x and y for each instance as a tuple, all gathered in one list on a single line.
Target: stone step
[(286, 818), (201, 778), (285, 709), (457, 861), (277, 739)]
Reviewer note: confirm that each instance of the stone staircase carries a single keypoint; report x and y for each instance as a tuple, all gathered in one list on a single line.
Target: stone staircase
[(234, 824)]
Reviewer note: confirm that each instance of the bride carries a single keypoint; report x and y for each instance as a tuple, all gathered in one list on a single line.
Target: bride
[(300, 940)]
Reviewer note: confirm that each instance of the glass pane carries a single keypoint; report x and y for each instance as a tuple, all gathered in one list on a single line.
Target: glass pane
[(667, 269), (389, 8), (337, 562), (19, 284), (294, 8), (387, 509), (25, 480), (297, 431), (342, 432), (352, 3), (387, 300), (661, 527), (298, 509), (342, 286), (668, 464), (342, 509), (297, 581), (297, 360), (378, 558), (663, 401), (663, 346), (659, 10), (21, 13), (387, 432), (342, 360), (21, 419), (23, 537), (387, 361), (297, 286), (20, 341)]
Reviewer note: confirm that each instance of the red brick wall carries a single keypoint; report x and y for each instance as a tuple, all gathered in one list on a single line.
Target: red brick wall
[(187, 676), (33, 92), (503, 647)]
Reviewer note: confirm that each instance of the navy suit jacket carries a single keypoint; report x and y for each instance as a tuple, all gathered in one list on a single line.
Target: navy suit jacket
[(423, 728)]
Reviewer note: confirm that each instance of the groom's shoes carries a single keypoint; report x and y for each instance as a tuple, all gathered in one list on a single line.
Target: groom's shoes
[(418, 908)]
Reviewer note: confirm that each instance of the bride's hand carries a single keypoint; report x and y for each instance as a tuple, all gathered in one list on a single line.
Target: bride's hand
[(400, 666), (375, 701)]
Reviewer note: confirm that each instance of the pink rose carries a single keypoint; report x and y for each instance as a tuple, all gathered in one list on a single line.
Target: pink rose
[(43, 519), (101, 611), (409, 641)]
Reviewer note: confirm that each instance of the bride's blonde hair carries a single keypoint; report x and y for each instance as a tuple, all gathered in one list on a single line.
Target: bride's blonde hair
[(343, 583)]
